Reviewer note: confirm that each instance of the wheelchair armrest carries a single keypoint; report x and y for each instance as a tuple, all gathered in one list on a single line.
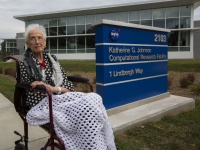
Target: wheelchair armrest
[(24, 85), (10, 57), (78, 79), (27, 85)]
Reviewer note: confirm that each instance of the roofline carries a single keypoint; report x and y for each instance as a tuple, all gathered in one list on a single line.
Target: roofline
[(105, 9)]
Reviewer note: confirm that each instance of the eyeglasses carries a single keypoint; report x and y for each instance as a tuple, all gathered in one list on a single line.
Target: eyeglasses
[(36, 39)]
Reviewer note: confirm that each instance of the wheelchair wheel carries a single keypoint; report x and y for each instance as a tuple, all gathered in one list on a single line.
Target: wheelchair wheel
[(20, 147)]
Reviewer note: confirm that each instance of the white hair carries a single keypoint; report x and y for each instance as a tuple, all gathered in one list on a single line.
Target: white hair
[(34, 27)]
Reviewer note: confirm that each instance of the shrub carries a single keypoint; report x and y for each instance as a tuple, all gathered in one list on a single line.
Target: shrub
[(170, 80), (191, 78), (84, 88), (196, 89), (10, 72), (1, 70), (94, 80), (184, 82)]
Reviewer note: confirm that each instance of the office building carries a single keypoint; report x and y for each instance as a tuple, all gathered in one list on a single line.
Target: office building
[(70, 34)]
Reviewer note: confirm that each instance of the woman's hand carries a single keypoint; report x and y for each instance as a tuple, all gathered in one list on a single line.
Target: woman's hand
[(47, 86), (51, 88), (35, 83)]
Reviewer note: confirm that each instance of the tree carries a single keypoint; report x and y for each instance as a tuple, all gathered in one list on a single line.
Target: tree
[(3, 52)]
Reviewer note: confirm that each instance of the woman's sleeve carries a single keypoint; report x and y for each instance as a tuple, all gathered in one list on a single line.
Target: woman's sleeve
[(66, 83)]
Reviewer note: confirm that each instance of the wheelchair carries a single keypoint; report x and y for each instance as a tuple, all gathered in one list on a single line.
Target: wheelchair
[(20, 106)]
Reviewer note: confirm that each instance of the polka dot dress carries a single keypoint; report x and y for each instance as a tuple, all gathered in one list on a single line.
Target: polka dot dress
[(32, 97), (80, 120)]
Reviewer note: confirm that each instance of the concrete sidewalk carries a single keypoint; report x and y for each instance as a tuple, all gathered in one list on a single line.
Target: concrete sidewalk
[(10, 120)]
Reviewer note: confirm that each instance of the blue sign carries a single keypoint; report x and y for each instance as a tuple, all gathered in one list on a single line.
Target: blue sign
[(131, 62)]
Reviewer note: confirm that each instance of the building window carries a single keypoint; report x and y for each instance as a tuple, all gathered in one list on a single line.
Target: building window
[(159, 23), (185, 11), (70, 20), (159, 17), (179, 41), (47, 45), (110, 16), (11, 47), (146, 17), (185, 22), (62, 43), (80, 29), (52, 31), (91, 50), (90, 29), (80, 25), (62, 30), (159, 13), (146, 14), (100, 16), (172, 18), (61, 26), (185, 38), (184, 41), (90, 19), (172, 23), (53, 23), (71, 43), (81, 42), (70, 30), (146, 22), (122, 16), (90, 41), (172, 12), (61, 21), (80, 20), (53, 45), (80, 50), (134, 17), (71, 25), (173, 49), (47, 31), (173, 38)]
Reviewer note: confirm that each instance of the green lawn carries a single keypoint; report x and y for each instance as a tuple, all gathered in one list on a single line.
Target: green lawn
[(181, 132), (7, 87)]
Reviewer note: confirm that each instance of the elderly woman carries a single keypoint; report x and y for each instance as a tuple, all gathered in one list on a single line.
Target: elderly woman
[(80, 119), (35, 38)]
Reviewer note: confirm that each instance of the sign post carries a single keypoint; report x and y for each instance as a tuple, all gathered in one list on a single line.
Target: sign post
[(131, 62)]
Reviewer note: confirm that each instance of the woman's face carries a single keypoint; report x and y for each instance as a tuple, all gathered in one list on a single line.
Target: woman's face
[(36, 41)]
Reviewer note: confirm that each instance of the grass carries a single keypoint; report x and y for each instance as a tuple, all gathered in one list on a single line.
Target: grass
[(7, 87), (181, 132), (188, 65), (86, 66)]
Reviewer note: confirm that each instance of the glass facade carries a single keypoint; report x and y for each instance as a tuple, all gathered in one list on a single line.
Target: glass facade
[(75, 34), (11, 47)]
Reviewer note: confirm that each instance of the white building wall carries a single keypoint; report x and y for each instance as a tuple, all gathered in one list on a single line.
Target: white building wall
[(180, 55)]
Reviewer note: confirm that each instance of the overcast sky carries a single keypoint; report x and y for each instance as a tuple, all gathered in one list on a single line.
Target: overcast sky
[(9, 8)]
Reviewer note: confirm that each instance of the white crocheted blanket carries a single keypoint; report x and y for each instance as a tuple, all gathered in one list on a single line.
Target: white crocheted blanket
[(80, 120)]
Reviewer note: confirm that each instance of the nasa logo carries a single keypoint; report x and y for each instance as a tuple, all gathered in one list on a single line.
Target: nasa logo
[(114, 34)]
